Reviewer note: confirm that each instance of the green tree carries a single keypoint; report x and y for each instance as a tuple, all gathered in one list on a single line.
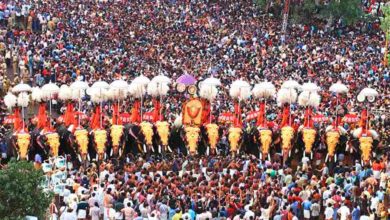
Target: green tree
[(20, 191), (350, 11), (385, 26)]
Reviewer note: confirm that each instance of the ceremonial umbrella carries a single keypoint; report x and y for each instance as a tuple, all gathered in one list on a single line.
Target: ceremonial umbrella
[(186, 79), (21, 87)]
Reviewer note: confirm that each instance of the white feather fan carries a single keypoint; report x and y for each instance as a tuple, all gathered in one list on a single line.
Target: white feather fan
[(310, 87), (208, 92), (137, 90), (141, 80), (65, 93), (23, 99), (264, 90), (97, 94), (161, 79), (357, 132), (338, 88), (291, 84), (286, 96), (156, 89), (36, 94), (367, 92), (78, 93), (314, 100), (303, 98), (48, 90), (240, 90), (10, 100)]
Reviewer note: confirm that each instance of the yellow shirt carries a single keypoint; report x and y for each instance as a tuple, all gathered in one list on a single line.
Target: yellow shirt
[(177, 216)]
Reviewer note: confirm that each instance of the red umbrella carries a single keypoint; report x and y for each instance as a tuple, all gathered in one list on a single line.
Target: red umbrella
[(351, 118), (125, 117), (226, 117), (148, 116), (319, 118), (252, 115)]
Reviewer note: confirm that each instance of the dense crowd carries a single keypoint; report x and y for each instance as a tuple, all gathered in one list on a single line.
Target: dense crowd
[(64, 41), (225, 188)]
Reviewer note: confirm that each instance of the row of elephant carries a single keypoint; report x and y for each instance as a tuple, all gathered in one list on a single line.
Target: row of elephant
[(162, 138)]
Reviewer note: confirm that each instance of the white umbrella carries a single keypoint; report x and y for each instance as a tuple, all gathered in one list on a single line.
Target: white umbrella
[(119, 84), (140, 83), (21, 87)]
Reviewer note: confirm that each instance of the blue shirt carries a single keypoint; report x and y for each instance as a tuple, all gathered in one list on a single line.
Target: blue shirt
[(192, 214), (356, 214), (306, 205)]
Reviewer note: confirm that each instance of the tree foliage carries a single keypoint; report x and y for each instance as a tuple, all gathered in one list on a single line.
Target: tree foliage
[(20, 194), (385, 21), (350, 11)]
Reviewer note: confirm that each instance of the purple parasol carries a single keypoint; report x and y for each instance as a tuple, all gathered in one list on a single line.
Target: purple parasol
[(186, 79)]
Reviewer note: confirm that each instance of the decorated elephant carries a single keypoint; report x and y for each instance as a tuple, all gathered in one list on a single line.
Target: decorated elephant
[(147, 131), (53, 140), (82, 140), (213, 137), (192, 138), (367, 139), (117, 137), (234, 138), (308, 138), (100, 141), (265, 137), (23, 144), (333, 136), (163, 132), (287, 135)]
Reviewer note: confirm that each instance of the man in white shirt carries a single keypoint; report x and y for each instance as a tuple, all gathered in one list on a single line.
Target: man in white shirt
[(69, 215), (249, 213), (329, 212), (344, 212)]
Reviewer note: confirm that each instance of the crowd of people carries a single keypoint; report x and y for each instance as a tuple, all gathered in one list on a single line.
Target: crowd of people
[(90, 40)]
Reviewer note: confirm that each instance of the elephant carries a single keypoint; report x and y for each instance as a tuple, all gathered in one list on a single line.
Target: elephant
[(82, 140), (100, 141), (308, 138), (212, 131), (287, 136), (53, 140), (163, 133), (117, 138), (234, 138), (192, 138), (23, 144), (265, 137)]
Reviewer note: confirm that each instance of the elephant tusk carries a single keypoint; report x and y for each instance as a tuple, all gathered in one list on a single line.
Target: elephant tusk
[(169, 148), (79, 156), (260, 156), (105, 155), (159, 148), (111, 152), (97, 156), (144, 148), (152, 148), (269, 157), (120, 151), (88, 157), (335, 158), (208, 151), (326, 158), (311, 155)]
